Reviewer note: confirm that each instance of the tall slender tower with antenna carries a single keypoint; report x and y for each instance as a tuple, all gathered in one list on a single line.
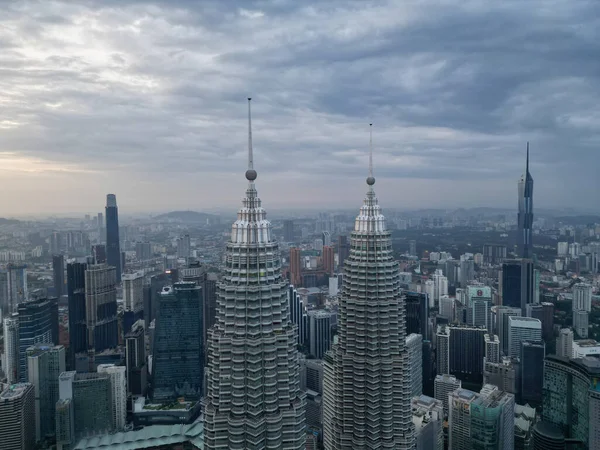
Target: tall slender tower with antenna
[(525, 216), (366, 399), (253, 397)]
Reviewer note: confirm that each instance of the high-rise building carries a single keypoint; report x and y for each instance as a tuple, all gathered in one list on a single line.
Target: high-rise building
[(440, 286), (428, 418), (504, 374), (444, 385), (65, 412), (518, 284), (570, 394), (343, 251), (414, 346), (582, 297), (367, 384), (467, 349), (532, 371), (118, 388), (99, 254), (502, 315), (581, 323), (177, 361), (184, 246), (328, 259), (253, 398), (412, 248), (133, 299), (143, 251), (443, 350), (295, 267), (77, 323), (492, 348), (564, 343), (58, 274), (92, 400), (525, 216), (446, 308), (135, 360), (521, 329), (17, 417), (467, 272), (13, 287), (100, 310), (494, 254), (319, 332), (326, 238), (11, 348), (113, 246), (288, 230), (545, 313), (298, 313), (45, 363), (38, 324), (416, 310)]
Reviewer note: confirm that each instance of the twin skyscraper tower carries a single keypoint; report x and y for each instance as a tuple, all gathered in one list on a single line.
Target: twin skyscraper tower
[(253, 396)]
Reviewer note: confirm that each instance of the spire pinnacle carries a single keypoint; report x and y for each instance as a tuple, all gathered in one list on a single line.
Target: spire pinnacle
[(527, 163), (250, 173), (370, 178)]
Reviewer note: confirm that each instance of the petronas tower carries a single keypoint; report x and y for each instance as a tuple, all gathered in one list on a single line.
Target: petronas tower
[(253, 397), (366, 399)]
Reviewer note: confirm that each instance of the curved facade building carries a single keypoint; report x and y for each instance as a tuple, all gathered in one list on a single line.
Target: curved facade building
[(253, 398), (366, 379)]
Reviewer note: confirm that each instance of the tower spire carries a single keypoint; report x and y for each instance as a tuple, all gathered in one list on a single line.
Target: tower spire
[(250, 173), (370, 178), (527, 163)]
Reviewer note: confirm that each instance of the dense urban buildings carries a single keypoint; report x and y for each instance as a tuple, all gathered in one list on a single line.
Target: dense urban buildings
[(113, 246), (253, 398), (367, 384)]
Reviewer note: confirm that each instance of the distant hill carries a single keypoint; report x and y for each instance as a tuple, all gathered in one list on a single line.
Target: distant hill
[(187, 216), (4, 221)]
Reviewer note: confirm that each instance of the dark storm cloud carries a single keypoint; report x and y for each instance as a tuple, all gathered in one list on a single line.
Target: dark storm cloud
[(155, 90)]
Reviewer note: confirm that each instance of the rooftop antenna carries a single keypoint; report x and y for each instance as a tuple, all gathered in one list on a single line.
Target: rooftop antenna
[(370, 178), (527, 163), (250, 173)]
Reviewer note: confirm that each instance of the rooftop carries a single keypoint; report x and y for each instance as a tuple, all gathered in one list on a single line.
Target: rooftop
[(15, 391), (586, 343)]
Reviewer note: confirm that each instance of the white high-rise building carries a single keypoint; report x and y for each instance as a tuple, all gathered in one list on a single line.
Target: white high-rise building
[(253, 398), (11, 363), (119, 393), (444, 385), (428, 418), (414, 345), (443, 350), (446, 308), (492, 348), (429, 289), (133, 291), (440, 285), (564, 343), (581, 323), (582, 297), (367, 383), (522, 329)]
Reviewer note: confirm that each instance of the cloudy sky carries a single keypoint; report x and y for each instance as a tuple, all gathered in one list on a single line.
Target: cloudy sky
[(147, 99)]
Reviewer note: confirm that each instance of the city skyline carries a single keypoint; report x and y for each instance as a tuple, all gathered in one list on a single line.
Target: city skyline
[(141, 99)]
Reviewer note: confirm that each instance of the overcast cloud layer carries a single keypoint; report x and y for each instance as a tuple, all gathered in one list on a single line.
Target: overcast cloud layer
[(148, 100)]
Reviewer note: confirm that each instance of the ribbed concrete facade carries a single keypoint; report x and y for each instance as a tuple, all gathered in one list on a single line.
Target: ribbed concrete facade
[(367, 383), (253, 398)]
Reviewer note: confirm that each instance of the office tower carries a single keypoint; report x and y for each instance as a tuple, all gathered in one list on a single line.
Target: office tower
[(494, 254), (467, 349), (504, 374), (570, 392), (492, 348), (367, 384), (258, 404), (564, 343), (45, 363), (184, 247), (118, 387), (503, 313), (582, 297), (177, 361), (518, 284), (58, 274), (521, 329), (38, 323), (143, 251), (113, 247), (594, 413), (123, 261), (135, 360), (444, 385), (99, 254), (11, 348), (581, 323), (428, 367), (440, 285), (133, 299), (311, 377), (417, 313), (319, 332), (343, 251), (295, 267), (525, 216), (17, 417), (428, 417), (65, 420), (447, 308), (467, 272), (326, 239), (545, 313), (288, 230), (585, 347), (298, 314), (532, 371), (412, 248), (92, 403), (13, 288), (77, 323), (429, 290), (443, 349), (100, 310), (55, 242), (328, 259), (414, 346)]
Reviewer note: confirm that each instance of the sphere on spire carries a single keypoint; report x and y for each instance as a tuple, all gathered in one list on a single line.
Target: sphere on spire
[(251, 174), (371, 181)]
